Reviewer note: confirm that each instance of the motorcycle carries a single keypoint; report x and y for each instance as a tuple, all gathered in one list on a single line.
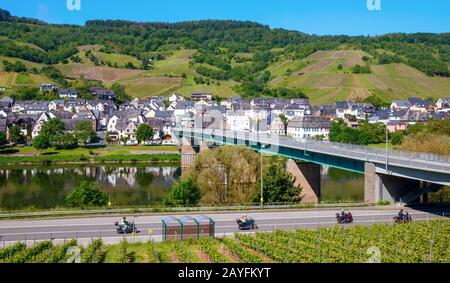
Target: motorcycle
[(406, 218), (126, 228), (250, 224), (346, 219)]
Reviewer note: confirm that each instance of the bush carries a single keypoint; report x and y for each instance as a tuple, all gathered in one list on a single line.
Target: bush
[(124, 256), (93, 253), (88, 194), (184, 192)]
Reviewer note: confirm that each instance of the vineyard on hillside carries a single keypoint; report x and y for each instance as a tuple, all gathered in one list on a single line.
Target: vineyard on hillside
[(419, 242)]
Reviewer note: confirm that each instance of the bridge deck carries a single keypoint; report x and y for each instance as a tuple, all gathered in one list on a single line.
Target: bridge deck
[(278, 144)]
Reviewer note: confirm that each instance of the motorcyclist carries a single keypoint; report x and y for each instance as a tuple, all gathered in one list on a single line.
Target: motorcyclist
[(401, 215), (343, 214), (244, 219), (124, 222)]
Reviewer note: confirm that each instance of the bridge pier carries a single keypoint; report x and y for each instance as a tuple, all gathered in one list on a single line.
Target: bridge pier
[(187, 154), (307, 176), (396, 190), (203, 146)]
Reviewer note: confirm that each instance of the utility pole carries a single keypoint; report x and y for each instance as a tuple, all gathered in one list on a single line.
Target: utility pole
[(262, 182), (387, 156)]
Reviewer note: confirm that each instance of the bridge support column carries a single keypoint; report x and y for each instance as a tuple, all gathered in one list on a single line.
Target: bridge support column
[(203, 146), (187, 154), (396, 190), (307, 176)]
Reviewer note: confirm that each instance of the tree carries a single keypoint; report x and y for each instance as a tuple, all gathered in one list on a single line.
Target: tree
[(108, 138), (41, 142), (65, 141), (2, 138), (15, 134), (285, 121), (397, 138), (227, 175), (84, 132), (121, 95), (185, 192), (88, 194), (144, 133), (279, 186), (124, 139), (52, 129)]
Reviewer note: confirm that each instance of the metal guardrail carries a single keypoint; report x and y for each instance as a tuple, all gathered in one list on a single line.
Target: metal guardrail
[(169, 210), (423, 161)]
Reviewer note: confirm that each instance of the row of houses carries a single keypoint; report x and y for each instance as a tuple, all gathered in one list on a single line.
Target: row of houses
[(98, 92), (293, 117)]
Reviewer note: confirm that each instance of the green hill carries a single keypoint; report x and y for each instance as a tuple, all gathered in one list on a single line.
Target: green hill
[(226, 58)]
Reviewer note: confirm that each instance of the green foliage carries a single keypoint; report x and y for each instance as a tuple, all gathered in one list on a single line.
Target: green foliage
[(25, 93), (8, 253), (41, 142), (210, 247), (408, 243), (52, 132), (184, 192), (3, 139), (123, 255), (377, 101), (144, 133), (358, 69), (17, 67), (88, 194), (243, 253), (365, 134), (93, 253), (84, 132), (279, 186), (397, 138), (15, 134), (29, 255), (121, 95)]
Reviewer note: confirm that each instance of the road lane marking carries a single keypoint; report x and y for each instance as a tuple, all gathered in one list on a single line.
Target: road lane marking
[(275, 225), (217, 220)]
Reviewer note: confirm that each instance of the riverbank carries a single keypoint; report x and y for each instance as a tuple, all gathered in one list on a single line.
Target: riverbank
[(82, 159), (111, 154)]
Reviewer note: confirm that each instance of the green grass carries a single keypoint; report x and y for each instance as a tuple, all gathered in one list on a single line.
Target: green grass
[(23, 79), (86, 155), (174, 65)]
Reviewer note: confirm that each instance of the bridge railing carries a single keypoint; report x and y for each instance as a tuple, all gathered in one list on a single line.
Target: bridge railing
[(405, 158)]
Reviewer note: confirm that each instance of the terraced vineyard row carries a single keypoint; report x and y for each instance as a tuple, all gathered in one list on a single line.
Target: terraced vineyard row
[(416, 242)]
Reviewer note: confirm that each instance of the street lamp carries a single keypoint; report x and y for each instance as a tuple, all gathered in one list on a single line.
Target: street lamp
[(387, 157), (262, 181)]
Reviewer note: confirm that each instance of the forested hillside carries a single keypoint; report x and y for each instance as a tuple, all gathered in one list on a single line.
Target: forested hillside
[(225, 58)]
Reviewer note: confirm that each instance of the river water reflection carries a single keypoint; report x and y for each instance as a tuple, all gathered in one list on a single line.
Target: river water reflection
[(46, 187)]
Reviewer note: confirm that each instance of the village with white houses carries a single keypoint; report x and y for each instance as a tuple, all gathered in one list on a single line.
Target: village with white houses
[(293, 117)]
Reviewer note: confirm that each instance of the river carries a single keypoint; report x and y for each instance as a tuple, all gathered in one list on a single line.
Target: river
[(46, 187)]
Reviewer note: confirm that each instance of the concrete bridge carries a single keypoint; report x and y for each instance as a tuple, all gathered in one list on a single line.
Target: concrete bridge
[(390, 175)]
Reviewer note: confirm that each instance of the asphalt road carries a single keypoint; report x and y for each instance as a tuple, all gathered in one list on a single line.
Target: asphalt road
[(88, 228)]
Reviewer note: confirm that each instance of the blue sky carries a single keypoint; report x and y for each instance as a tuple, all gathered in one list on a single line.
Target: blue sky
[(311, 16)]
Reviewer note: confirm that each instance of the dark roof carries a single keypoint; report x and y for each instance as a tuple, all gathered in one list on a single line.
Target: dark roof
[(67, 91), (419, 102), (309, 122), (69, 124)]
